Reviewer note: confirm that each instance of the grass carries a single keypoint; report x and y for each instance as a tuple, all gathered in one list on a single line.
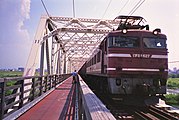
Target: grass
[(172, 99), (4, 74), (8, 74), (173, 83)]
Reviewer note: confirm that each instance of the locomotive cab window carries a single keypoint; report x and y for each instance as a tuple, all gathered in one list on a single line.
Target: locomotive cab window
[(124, 42), (154, 43)]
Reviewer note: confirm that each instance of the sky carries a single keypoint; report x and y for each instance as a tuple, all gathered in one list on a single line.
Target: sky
[(19, 20)]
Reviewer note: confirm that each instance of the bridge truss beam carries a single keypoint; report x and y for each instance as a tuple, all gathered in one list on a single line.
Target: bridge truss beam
[(66, 43)]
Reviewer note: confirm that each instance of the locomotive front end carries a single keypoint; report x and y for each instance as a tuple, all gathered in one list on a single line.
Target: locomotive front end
[(137, 63)]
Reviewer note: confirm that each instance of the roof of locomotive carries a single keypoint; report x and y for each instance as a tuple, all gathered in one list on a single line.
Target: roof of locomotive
[(131, 22), (131, 30), (129, 17), (138, 32)]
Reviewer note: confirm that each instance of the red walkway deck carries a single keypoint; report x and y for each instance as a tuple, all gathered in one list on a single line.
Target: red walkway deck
[(57, 105)]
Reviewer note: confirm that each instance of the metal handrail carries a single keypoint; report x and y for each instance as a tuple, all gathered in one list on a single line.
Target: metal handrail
[(14, 97)]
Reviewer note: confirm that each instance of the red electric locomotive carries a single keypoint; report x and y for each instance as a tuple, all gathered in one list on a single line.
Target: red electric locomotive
[(132, 60)]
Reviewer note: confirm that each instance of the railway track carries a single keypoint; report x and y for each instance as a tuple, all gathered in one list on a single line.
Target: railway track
[(154, 113), (121, 111), (135, 112), (142, 113)]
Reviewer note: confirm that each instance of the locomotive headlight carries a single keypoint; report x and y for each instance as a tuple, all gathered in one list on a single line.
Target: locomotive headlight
[(157, 31), (124, 31)]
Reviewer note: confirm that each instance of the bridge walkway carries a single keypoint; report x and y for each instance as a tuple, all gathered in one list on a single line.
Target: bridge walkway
[(59, 104)]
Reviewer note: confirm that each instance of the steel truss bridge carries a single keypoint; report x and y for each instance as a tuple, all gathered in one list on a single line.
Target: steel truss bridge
[(63, 44)]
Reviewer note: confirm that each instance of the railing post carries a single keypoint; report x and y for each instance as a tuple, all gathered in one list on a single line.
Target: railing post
[(59, 78), (50, 79), (2, 99), (46, 82), (41, 85), (22, 94), (56, 80), (33, 88)]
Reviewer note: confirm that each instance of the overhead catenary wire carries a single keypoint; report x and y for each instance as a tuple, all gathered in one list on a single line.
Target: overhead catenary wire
[(106, 9), (136, 7), (123, 7), (45, 8)]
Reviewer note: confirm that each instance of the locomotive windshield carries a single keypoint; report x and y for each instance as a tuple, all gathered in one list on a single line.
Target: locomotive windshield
[(124, 41), (154, 43)]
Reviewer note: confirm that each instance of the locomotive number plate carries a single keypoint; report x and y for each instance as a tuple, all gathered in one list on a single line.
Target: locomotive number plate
[(141, 55)]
